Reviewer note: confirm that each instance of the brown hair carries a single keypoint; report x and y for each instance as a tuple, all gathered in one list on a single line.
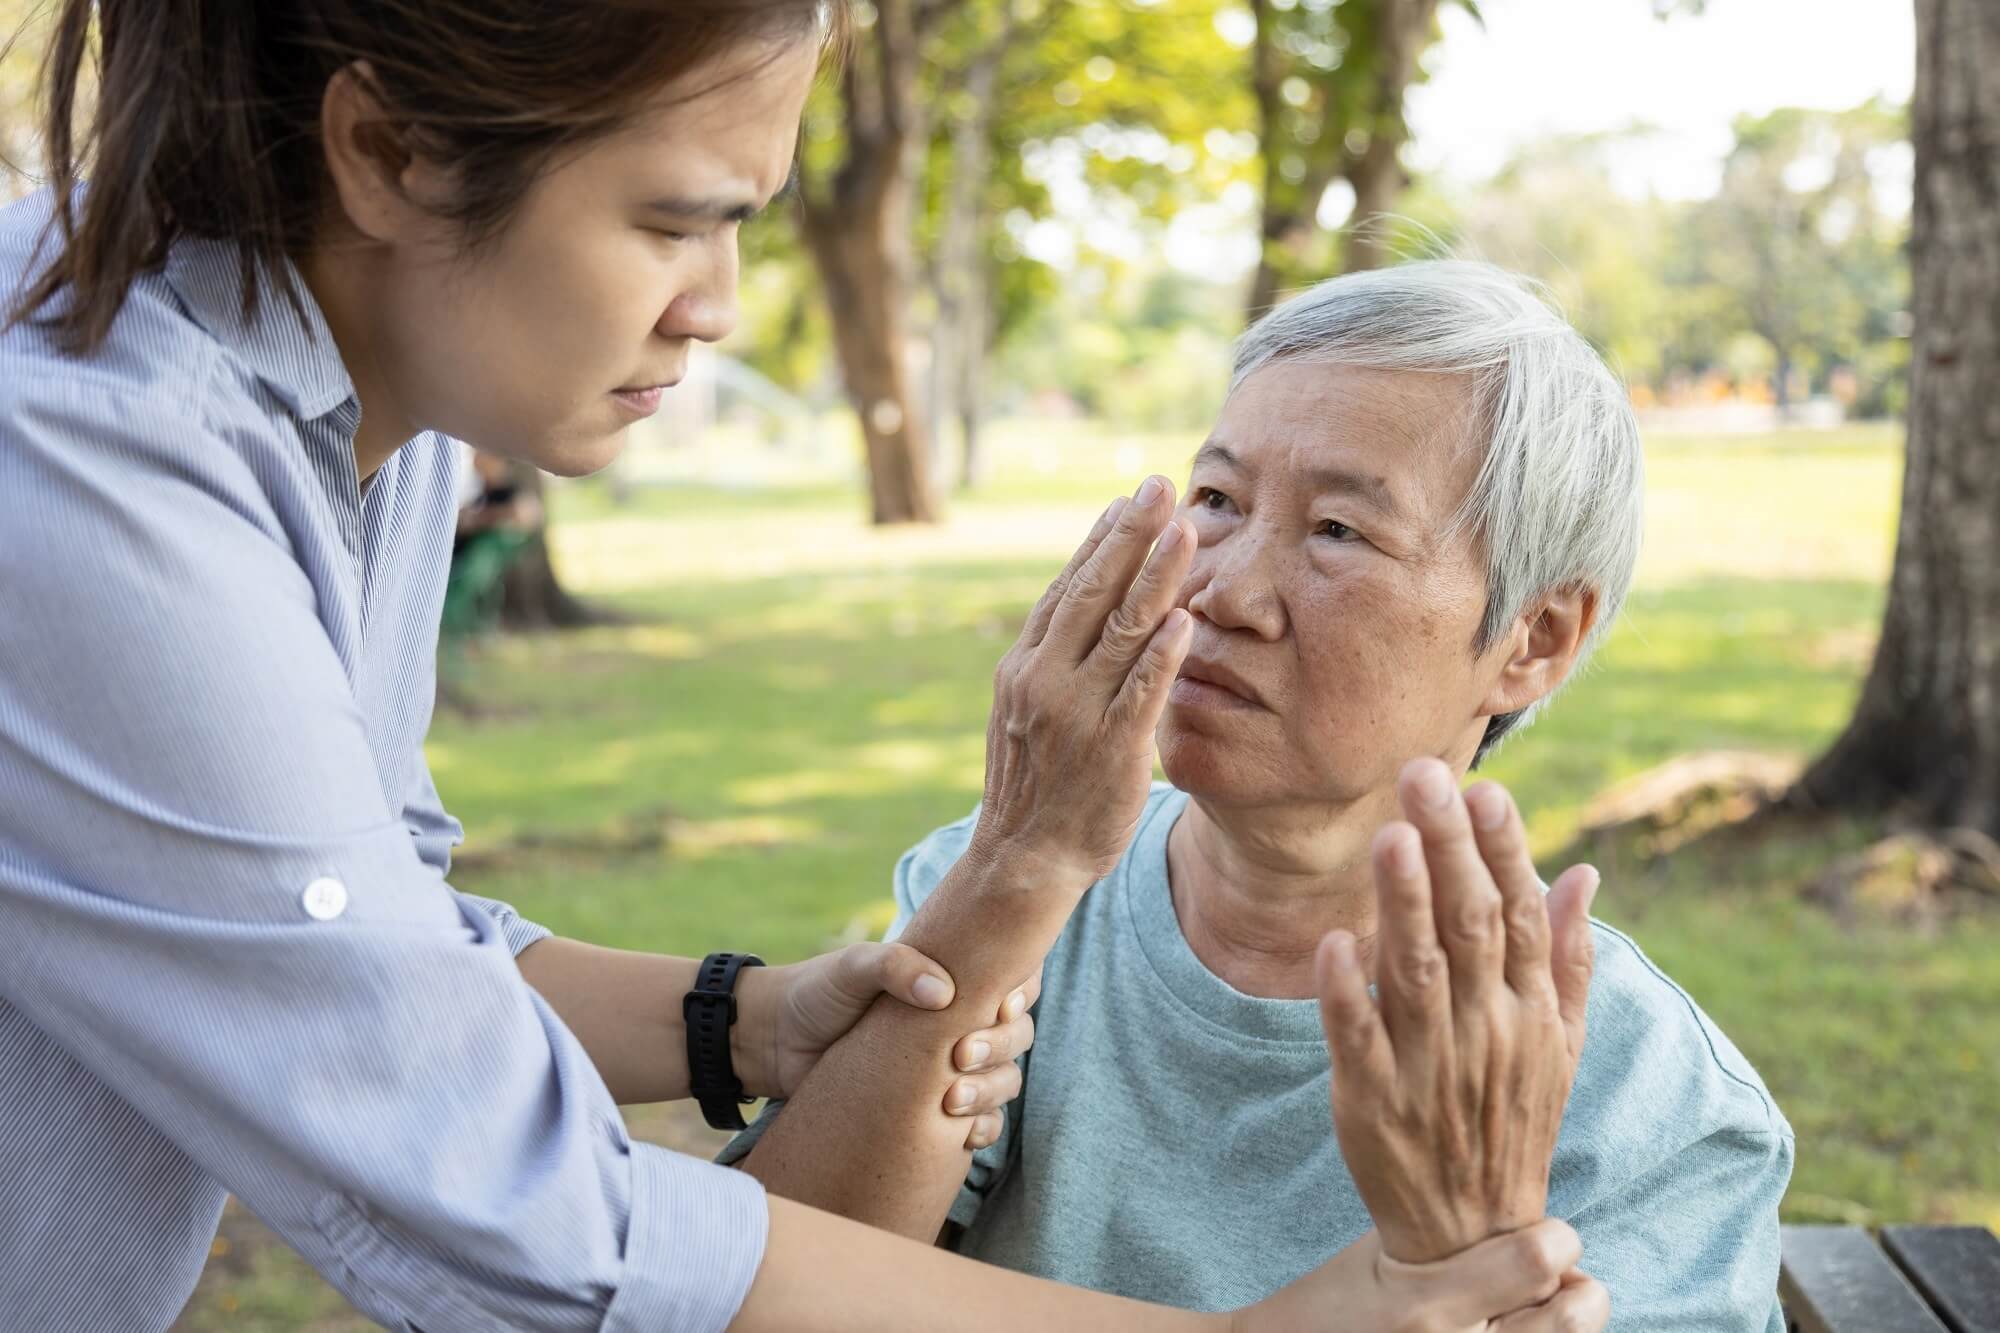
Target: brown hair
[(206, 119)]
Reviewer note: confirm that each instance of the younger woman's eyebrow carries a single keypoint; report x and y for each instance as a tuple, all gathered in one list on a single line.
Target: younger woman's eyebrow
[(691, 209), (721, 208)]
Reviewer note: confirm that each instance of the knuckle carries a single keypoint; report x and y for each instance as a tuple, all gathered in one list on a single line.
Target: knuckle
[(1527, 916), (1125, 629), (1475, 917), (1419, 967), (1539, 1255), (1354, 1034), (1086, 584)]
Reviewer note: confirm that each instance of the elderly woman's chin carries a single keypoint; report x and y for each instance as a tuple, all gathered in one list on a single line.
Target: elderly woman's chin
[(1221, 763)]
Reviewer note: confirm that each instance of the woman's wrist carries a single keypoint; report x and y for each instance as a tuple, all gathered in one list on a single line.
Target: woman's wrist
[(753, 1037), (1003, 867)]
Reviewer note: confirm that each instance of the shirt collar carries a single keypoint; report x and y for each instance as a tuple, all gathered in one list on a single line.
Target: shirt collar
[(300, 363)]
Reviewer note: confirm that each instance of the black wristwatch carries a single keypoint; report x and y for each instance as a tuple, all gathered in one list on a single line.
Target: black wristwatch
[(709, 1010)]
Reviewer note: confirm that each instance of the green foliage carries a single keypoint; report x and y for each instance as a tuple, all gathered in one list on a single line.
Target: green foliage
[(1323, 64), (1797, 259), (1797, 232)]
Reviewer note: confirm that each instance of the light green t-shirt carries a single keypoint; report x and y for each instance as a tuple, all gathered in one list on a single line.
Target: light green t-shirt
[(1173, 1140)]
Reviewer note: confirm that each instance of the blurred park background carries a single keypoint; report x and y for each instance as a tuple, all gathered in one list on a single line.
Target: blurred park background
[(732, 678)]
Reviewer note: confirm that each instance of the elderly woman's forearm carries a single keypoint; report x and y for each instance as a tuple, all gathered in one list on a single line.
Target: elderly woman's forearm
[(866, 1136)]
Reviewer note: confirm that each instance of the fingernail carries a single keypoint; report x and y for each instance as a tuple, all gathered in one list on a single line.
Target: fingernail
[(962, 1096), (932, 992), (1170, 538), (1590, 894), (1489, 807), (975, 1054), (1434, 786), (1015, 1004), (1148, 492), (1117, 508)]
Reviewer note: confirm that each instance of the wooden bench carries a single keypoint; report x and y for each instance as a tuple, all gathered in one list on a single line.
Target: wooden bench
[(1915, 1280)]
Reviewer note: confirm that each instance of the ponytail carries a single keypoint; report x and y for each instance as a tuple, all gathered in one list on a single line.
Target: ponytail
[(182, 138)]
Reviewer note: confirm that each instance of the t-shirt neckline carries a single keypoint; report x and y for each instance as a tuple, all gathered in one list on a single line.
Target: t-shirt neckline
[(1148, 893)]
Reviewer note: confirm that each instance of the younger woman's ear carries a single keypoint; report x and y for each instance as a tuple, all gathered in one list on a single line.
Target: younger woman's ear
[(386, 190)]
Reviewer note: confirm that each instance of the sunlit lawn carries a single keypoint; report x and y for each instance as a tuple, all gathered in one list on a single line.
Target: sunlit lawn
[(799, 698)]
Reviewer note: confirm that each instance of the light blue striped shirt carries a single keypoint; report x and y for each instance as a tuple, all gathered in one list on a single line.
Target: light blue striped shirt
[(229, 957)]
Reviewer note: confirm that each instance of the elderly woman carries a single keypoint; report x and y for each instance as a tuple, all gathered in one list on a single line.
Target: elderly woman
[(1417, 516)]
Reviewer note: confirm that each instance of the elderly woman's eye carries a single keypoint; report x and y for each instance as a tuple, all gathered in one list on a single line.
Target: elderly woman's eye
[(1340, 532), (1207, 497)]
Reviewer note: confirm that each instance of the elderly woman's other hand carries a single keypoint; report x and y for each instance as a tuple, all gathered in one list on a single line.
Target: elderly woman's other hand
[(1069, 747), (1525, 1282), (1449, 1087)]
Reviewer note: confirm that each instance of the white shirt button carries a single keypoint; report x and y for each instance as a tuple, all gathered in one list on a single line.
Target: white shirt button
[(325, 899)]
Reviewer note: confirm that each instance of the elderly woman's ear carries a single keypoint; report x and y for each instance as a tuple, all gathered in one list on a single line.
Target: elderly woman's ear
[(1537, 654)]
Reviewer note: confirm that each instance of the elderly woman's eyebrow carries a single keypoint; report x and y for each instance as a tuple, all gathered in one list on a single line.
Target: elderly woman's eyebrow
[(1218, 455), (1324, 480)]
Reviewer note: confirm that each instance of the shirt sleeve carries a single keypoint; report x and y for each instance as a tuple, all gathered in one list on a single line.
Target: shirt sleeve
[(435, 832), (1693, 1243), (1678, 1161), (918, 873), (208, 901)]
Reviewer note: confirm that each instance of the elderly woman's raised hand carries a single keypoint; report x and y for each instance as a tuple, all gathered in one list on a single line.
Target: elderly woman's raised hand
[(1069, 747), (1448, 1089)]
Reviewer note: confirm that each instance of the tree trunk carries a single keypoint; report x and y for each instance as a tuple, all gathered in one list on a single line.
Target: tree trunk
[(959, 350), (1281, 226), (868, 291), (1378, 178), (1376, 170), (858, 228), (531, 596), (1398, 32), (1925, 736)]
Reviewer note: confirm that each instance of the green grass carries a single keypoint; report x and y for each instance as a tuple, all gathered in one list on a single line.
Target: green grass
[(803, 697)]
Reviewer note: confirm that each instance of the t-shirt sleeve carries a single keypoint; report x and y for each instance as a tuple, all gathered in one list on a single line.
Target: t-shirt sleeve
[(1679, 1160), (918, 873), (1693, 1243)]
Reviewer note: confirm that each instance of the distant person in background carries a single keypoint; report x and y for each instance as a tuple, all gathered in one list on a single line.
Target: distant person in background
[(496, 519)]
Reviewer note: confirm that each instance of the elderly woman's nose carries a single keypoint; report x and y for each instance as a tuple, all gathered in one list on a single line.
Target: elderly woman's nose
[(1235, 594)]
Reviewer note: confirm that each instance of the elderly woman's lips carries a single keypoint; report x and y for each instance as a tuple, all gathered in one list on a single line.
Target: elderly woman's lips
[(1193, 692)]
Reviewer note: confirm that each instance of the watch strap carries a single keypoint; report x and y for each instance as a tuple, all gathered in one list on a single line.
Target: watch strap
[(709, 1010)]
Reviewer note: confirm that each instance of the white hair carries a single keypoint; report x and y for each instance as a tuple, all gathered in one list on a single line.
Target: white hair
[(1558, 499)]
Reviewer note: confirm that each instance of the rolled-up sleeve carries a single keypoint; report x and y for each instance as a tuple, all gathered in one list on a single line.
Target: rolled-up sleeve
[(207, 899)]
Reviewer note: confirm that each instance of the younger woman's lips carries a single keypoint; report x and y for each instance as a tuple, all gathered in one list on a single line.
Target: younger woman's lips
[(641, 402)]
